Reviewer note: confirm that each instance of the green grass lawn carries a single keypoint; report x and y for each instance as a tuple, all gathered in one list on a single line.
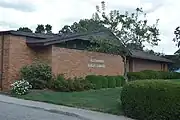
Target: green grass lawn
[(176, 80), (105, 100)]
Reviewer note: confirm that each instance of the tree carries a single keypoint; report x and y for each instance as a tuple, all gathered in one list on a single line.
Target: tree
[(129, 28), (176, 62), (24, 29), (152, 52), (66, 29), (40, 29), (176, 39), (134, 46), (132, 29), (84, 25), (48, 28)]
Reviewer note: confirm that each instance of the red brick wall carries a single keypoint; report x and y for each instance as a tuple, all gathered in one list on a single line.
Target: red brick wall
[(19, 55), (4, 57), (0, 58), (5, 80), (75, 63), (140, 64), (43, 54)]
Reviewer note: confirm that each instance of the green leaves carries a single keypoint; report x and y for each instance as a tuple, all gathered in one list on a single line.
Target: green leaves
[(110, 46), (25, 29), (100, 81), (84, 25), (48, 28), (151, 100), (150, 74), (70, 85), (37, 74), (40, 29), (43, 29), (177, 36), (129, 28)]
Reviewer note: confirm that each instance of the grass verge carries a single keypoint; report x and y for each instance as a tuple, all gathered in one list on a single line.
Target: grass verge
[(104, 100)]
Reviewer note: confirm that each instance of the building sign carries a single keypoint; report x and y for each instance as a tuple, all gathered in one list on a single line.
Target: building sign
[(94, 63)]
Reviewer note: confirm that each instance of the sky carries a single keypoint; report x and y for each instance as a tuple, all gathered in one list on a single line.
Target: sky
[(29, 13)]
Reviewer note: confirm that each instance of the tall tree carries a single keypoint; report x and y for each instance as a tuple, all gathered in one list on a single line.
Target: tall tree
[(48, 28), (66, 29), (40, 29), (84, 25), (176, 39), (24, 29), (128, 27)]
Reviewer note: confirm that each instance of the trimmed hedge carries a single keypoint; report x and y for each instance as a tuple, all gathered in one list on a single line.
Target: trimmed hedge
[(111, 81), (70, 85), (149, 74), (120, 81), (100, 81), (151, 100), (105, 82), (97, 81)]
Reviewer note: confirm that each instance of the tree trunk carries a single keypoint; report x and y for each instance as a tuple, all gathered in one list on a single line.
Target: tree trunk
[(125, 68)]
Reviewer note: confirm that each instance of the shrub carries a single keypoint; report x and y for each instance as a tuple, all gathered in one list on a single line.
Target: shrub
[(96, 80), (70, 85), (100, 81), (135, 75), (149, 74), (20, 87), (86, 84), (104, 82), (81, 84), (120, 81), (111, 81), (60, 84), (37, 74), (151, 100)]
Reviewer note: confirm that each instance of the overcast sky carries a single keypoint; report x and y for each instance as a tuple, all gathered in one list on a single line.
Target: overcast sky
[(29, 13)]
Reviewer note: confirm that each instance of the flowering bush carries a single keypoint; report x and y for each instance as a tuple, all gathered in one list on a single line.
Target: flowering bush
[(20, 87), (38, 74)]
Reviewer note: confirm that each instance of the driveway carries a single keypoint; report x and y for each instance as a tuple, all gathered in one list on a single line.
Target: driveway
[(18, 109), (17, 112)]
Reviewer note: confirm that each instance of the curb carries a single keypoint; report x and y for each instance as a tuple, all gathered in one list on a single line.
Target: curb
[(50, 110)]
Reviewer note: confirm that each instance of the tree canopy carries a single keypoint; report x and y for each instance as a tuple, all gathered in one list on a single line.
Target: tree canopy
[(84, 25), (48, 28), (40, 28), (176, 39), (132, 29), (25, 29), (128, 27)]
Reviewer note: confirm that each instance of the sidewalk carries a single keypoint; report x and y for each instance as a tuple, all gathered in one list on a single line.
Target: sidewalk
[(70, 111)]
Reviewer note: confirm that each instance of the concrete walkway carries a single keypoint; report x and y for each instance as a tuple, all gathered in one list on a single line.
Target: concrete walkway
[(70, 111)]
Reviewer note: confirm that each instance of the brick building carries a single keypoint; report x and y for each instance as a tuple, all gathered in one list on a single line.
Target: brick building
[(66, 54)]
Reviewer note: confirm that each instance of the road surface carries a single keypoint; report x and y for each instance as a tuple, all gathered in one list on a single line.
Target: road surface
[(17, 112)]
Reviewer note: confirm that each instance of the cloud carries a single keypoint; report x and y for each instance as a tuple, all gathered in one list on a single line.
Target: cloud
[(20, 5), (152, 5), (9, 25), (29, 13)]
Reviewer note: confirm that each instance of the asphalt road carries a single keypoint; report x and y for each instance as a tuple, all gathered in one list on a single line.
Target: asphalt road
[(17, 112)]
